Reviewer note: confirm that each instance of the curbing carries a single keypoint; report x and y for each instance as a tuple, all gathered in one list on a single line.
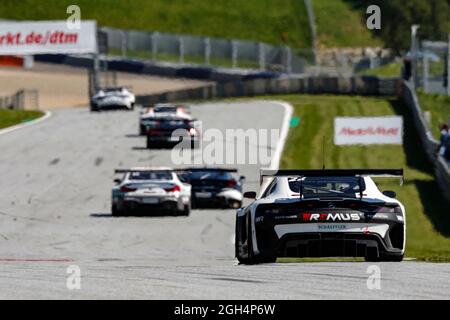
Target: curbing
[(6, 130)]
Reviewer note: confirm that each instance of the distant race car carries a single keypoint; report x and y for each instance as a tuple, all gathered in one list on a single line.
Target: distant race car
[(162, 110), (216, 187), (113, 98), (164, 129), (321, 213), (148, 191)]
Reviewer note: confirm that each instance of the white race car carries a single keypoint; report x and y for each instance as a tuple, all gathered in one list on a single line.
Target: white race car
[(150, 191), (113, 98), (322, 213)]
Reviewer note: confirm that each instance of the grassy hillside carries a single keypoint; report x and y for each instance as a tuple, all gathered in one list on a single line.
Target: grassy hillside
[(392, 69), (428, 236), (340, 24), (12, 117), (273, 21)]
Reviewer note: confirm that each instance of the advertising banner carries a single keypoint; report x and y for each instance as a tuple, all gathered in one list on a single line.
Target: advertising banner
[(47, 37), (371, 130)]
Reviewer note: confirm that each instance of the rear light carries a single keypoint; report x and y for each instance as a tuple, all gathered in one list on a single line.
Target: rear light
[(127, 189), (192, 131), (231, 183), (173, 189)]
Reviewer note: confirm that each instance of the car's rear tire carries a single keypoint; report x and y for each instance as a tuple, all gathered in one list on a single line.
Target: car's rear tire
[(142, 130), (115, 212), (385, 258), (187, 210), (252, 259), (396, 258), (94, 108)]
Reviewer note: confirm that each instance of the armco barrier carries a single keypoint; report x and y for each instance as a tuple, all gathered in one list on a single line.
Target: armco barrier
[(441, 168), (332, 85), (164, 69)]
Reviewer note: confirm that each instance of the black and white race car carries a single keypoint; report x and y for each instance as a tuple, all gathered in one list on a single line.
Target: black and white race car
[(321, 213), (214, 187), (150, 116)]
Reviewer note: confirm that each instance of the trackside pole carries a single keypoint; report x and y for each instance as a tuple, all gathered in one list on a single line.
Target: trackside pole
[(448, 66)]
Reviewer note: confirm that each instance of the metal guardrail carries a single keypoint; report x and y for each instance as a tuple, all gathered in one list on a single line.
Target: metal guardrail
[(200, 50), (430, 144), (21, 100), (431, 62)]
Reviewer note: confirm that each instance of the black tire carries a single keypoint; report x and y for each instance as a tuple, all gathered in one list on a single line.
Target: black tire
[(396, 258), (142, 130), (149, 144), (115, 212), (187, 210), (252, 259), (385, 258), (94, 108)]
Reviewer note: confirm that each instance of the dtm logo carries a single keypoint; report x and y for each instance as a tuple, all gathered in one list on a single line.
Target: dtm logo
[(307, 217)]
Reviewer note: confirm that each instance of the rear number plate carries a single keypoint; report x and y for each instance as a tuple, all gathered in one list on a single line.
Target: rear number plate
[(150, 200), (203, 194)]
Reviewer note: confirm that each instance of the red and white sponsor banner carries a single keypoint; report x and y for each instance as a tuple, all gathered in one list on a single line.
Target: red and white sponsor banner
[(373, 130), (40, 37)]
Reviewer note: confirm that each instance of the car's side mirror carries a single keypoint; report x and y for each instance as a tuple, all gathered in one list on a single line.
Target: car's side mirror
[(250, 195), (117, 181), (242, 178), (390, 194)]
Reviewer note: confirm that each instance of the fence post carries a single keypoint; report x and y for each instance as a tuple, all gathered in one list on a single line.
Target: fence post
[(207, 43), (288, 53), (154, 45), (448, 66), (262, 56), (124, 38), (181, 49), (234, 53), (425, 73)]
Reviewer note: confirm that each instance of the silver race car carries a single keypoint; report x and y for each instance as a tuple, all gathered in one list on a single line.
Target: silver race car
[(150, 191), (321, 213), (113, 98)]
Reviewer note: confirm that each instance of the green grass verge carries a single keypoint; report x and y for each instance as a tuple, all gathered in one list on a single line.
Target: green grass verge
[(439, 107), (11, 117), (428, 218), (272, 21), (388, 70), (341, 25)]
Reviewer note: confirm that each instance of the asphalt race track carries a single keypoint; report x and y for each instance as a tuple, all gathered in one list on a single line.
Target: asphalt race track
[(55, 184)]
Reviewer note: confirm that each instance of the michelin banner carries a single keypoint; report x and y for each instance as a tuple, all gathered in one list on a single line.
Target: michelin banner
[(47, 37), (366, 131)]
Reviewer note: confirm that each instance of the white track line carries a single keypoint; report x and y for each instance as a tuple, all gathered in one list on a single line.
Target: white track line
[(288, 110), (47, 115), (275, 162), (276, 158)]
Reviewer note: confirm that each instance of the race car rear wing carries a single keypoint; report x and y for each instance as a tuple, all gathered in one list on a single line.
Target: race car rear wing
[(206, 169), (387, 173), (118, 171)]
